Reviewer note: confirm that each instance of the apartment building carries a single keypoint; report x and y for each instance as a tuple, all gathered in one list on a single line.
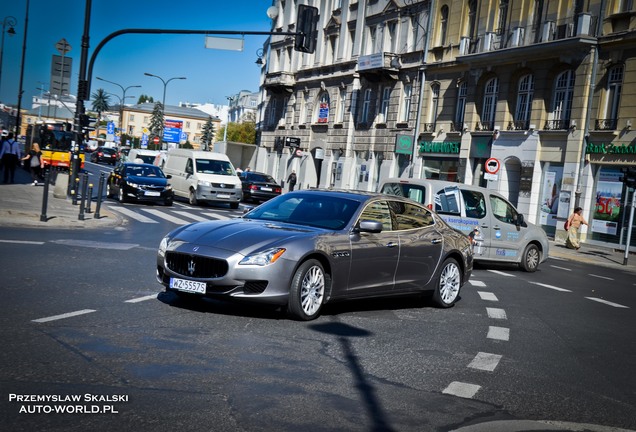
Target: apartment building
[(436, 89)]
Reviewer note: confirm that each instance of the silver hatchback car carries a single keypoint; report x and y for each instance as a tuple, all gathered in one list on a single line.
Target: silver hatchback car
[(307, 248)]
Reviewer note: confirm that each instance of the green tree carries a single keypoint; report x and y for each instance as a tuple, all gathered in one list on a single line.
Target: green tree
[(207, 136), (100, 104), (240, 132), (145, 99), (156, 125)]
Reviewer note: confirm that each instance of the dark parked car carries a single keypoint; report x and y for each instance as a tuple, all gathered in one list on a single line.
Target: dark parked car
[(304, 249), (105, 154), (259, 186), (139, 182)]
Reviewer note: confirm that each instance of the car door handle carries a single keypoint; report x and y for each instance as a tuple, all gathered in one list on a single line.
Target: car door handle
[(484, 226), (391, 244), (436, 241)]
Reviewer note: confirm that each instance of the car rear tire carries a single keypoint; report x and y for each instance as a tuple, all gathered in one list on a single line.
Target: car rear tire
[(234, 205), (192, 198), (448, 284), (530, 259), (307, 291)]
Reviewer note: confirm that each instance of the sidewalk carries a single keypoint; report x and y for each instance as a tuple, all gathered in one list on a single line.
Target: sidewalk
[(21, 205)]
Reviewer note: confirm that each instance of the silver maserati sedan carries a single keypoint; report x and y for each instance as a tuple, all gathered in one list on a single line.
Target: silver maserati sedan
[(304, 249)]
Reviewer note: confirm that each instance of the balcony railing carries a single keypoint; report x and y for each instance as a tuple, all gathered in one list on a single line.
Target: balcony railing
[(518, 125), (557, 125), (606, 124)]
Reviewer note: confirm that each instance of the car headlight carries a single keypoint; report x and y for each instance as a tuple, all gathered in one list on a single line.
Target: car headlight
[(163, 246), (133, 185), (169, 187), (264, 258), (204, 183)]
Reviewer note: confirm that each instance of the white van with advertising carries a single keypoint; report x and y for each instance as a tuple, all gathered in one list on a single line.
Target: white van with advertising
[(202, 176), (499, 232), (142, 156)]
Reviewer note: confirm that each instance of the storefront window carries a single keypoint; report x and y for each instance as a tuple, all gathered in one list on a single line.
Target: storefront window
[(441, 169)]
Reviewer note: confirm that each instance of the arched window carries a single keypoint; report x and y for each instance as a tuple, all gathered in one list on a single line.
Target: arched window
[(434, 105), (460, 109), (562, 104), (614, 90), (321, 113), (443, 25), (491, 89), (525, 93)]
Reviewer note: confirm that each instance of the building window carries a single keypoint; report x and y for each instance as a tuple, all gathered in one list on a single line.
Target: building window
[(384, 105), (303, 109), (391, 37), (332, 43), (342, 99), (131, 118), (406, 103), (272, 112), (434, 106), (352, 41), (562, 105), (525, 93), (415, 32), (322, 110), (503, 17), (366, 106), (443, 25), (460, 109), (187, 125), (371, 47), (614, 89), (490, 104), (145, 120)]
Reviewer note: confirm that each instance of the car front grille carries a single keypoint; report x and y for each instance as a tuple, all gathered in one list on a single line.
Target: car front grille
[(196, 266), (223, 185)]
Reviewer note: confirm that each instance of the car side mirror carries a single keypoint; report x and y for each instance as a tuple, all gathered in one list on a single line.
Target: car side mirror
[(370, 226), (169, 176), (520, 220)]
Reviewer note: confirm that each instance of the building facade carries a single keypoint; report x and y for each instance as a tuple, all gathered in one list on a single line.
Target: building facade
[(451, 89)]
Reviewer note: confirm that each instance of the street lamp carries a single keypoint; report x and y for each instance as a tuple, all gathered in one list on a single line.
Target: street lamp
[(122, 99), (163, 102), (230, 99), (11, 22)]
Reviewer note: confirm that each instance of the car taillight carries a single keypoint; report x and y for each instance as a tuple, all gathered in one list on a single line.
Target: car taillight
[(277, 190), (253, 187)]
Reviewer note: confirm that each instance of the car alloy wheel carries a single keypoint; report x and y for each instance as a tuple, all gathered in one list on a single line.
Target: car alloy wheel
[(122, 195), (109, 191), (530, 259), (448, 285), (192, 199), (307, 291)]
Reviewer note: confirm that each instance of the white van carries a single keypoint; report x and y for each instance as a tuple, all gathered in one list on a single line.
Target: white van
[(203, 176), (498, 230), (142, 156)]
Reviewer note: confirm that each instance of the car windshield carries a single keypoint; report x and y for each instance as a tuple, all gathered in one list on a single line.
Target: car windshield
[(146, 158), (262, 178), (209, 166), (320, 211), (144, 171)]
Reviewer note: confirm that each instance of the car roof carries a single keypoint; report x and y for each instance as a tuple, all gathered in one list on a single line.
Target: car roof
[(356, 195), (138, 164)]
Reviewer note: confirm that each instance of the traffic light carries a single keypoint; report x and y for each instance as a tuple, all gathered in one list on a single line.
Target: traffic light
[(306, 32), (629, 176)]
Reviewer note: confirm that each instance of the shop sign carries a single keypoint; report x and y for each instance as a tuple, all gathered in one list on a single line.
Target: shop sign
[(439, 147), (404, 144), (604, 148)]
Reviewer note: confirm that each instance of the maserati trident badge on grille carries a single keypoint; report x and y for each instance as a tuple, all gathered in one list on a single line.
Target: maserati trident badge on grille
[(191, 267)]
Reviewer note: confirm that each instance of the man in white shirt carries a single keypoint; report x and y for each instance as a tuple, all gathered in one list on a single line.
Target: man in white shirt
[(10, 156)]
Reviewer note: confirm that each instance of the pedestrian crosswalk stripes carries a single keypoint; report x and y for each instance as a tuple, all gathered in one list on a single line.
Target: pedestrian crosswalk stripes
[(165, 215), (132, 214), (178, 215), (191, 216)]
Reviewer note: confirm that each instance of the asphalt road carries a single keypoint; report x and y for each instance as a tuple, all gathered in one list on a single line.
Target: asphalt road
[(84, 318)]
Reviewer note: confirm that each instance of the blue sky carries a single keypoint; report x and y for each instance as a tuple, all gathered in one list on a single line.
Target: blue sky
[(212, 75)]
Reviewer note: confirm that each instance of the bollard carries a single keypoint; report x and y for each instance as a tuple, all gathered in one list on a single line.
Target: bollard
[(75, 191), (89, 197), (100, 188), (85, 186), (45, 197)]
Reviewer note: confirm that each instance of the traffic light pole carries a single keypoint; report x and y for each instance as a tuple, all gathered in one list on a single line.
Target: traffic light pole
[(629, 228)]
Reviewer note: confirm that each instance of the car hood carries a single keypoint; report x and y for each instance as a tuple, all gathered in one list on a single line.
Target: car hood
[(155, 181), (240, 235)]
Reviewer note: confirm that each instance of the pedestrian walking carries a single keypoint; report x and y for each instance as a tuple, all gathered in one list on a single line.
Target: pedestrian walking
[(36, 163), (10, 156), (573, 224), (291, 180)]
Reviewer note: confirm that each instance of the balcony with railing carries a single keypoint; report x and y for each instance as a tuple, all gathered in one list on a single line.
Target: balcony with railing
[(515, 125), (556, 125), (279, 80), (606, 124)]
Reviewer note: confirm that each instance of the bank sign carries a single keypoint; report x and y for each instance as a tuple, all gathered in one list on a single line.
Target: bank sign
[(439, 147), (604, 148)]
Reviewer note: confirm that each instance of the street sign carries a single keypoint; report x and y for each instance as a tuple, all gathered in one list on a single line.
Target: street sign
[(63, 46), (155, 140), (492, 166), (292, 141), (110, 128)]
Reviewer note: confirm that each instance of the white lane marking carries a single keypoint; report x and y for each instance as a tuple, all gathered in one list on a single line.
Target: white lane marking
[(496, 313), (140, 299), (22, 242), (462, 390), (561, 268), (476, 283), (217, 216), (498, 333), (607, 302), (167, 217), (501, 273), (485, 361), (96, 244), (551, 287), (191, 216), (600, 277), (133, 215), (487, 296), (62, 316)]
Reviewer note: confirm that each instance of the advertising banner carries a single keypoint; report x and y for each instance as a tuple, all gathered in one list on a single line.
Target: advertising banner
[(607, 209)]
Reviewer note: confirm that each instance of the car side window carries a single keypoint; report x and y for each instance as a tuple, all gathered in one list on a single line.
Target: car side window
[(378, 211), (474, 204), (448, 201), (410, 216), (503, 210)]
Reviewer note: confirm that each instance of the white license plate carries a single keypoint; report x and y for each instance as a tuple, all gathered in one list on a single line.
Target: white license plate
[(226, 196), (149, 193), (266, 189), (187, 285)]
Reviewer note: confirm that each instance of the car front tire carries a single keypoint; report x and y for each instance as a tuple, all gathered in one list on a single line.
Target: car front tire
[(122, 196), (530, 259), (448, 284), (307, 291), (192, 198), (109, 191)]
